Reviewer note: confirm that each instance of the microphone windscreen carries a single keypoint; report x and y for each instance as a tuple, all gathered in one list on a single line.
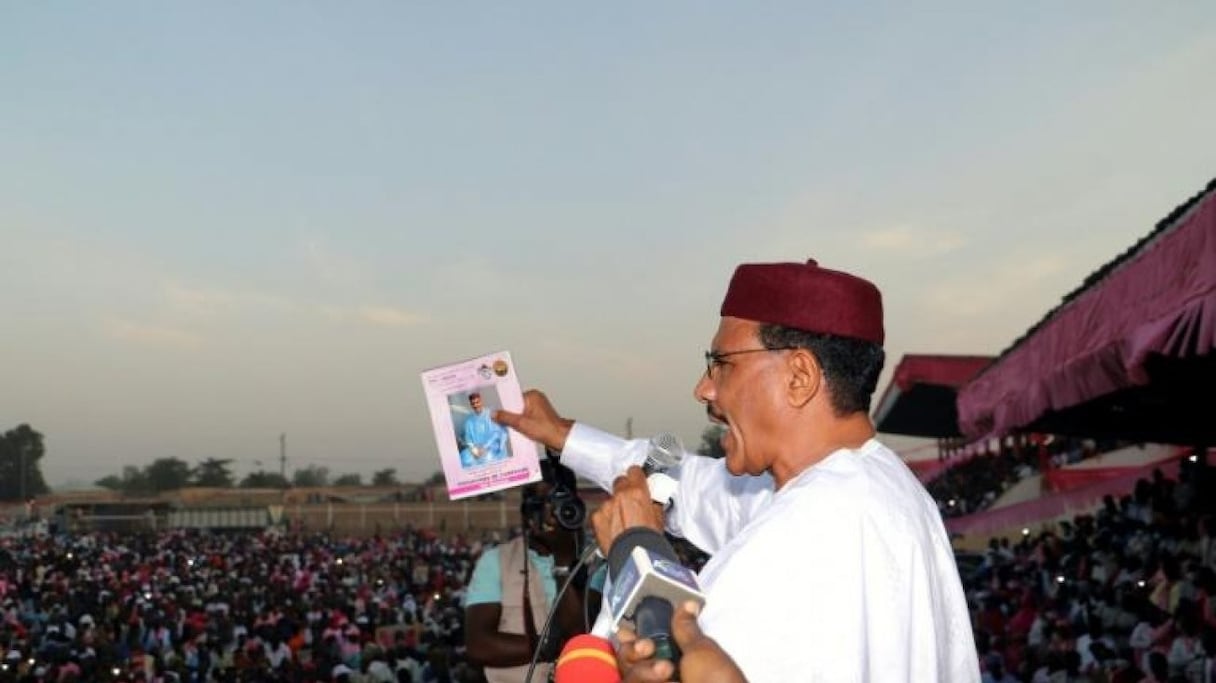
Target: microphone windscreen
[(664, 452), (586, 659)]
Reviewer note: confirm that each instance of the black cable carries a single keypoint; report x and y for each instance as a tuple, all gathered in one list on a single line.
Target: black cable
[(544, 632), (587, 606), (582, 538)]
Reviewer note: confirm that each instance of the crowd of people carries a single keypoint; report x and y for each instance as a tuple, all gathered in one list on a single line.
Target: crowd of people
[(977, 483), (191, 607), (1125, 594), (196, 607)]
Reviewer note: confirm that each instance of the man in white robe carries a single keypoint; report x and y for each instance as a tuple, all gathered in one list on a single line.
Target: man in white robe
[(483, 440), (830, 560)]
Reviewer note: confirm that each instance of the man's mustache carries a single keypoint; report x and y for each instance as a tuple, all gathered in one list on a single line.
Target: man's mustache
[(713, 413)]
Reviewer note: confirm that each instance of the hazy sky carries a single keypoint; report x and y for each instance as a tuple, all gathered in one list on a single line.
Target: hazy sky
[(220, 222)]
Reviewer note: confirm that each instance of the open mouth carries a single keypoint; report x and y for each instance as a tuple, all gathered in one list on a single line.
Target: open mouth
[(715, 416)]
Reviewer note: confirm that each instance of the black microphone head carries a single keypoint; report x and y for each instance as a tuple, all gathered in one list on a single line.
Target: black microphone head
[(651, 540)]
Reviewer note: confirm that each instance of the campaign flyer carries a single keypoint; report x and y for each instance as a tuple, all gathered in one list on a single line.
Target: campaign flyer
[(479, 455)]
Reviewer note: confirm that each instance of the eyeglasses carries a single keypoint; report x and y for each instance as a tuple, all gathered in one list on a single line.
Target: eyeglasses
[(714, 359)]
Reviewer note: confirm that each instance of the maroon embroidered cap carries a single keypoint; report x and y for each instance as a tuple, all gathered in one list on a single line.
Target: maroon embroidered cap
[(806, 297)]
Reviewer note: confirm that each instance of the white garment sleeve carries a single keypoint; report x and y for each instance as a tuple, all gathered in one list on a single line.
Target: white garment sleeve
[(600, 456), (710, 506)]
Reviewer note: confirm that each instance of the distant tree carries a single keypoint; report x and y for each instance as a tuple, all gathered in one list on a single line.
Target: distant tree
[(386, 477), (112, 482), (162, 474), (263, 480), (167, 474), (349, 479), (214, 472), (135, 481), (311, 476), (711, 441), (435, 478), (20, 473)]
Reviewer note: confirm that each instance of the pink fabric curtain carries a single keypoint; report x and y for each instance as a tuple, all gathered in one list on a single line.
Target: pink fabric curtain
[(1162, 301)]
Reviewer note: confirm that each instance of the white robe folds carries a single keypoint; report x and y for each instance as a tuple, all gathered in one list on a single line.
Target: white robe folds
[(845, 574)]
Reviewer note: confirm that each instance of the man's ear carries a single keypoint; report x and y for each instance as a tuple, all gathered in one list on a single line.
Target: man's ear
[(805, 377)]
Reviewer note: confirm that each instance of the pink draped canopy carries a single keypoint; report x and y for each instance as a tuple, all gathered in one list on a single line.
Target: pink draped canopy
[(1153, 307)]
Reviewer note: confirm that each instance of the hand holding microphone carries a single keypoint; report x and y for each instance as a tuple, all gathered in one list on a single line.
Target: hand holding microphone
[(588, 659), (642, 566), (630, 506), (703, 660), (635, 493)]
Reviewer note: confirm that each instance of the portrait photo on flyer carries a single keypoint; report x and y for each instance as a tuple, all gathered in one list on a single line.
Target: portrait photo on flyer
[(477, 454)]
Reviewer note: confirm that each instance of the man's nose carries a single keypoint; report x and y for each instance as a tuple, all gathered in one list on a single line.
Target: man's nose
[(704, 390)]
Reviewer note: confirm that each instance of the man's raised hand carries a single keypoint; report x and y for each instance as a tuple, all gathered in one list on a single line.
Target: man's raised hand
[(539, 421)]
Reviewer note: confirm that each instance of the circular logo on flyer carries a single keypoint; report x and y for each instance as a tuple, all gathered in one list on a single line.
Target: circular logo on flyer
[(484, 371), (500, 368)]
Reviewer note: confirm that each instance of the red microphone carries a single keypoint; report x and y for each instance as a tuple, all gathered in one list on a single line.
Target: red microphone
[(586, 659)]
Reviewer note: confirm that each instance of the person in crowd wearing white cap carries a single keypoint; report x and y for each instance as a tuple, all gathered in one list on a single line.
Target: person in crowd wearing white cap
[(341, 673)]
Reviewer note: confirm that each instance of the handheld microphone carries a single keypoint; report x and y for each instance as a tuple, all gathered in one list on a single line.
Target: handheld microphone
[(647, 579), (586, 659), (664, 452)]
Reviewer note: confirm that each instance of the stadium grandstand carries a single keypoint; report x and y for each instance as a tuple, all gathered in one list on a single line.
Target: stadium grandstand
[(1074, 473)]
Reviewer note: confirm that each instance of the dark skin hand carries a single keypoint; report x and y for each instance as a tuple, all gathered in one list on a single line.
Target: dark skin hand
[(539, 421), (630, 506), (702, 659)]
